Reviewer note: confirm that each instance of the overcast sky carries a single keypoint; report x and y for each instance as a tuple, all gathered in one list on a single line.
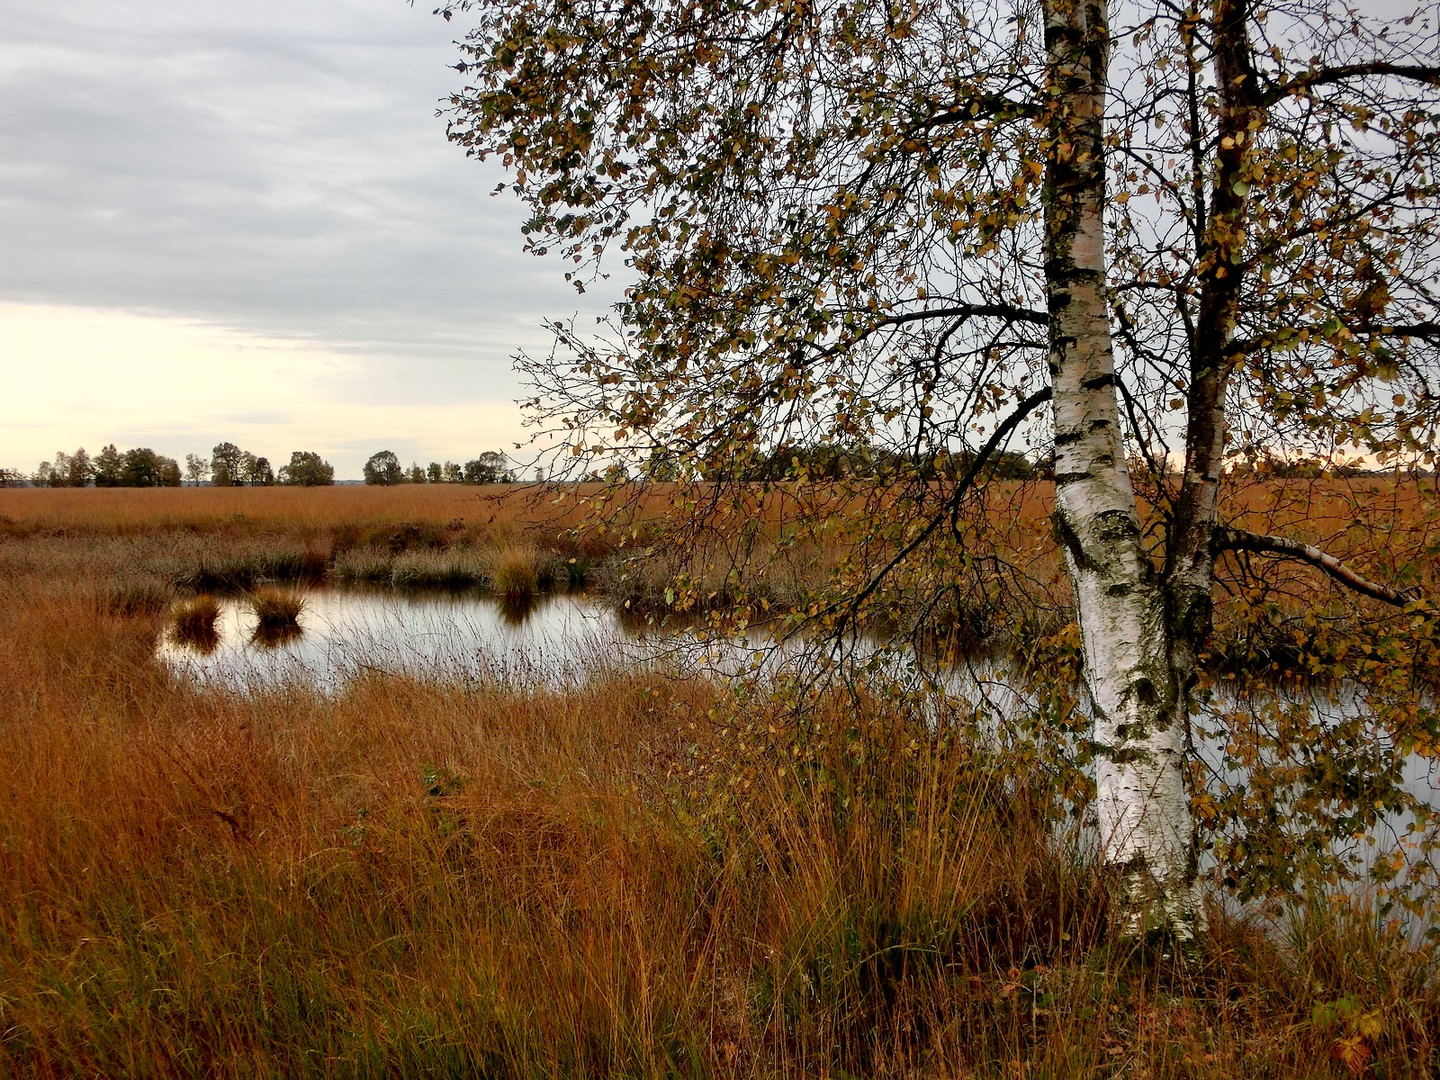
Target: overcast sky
[(243, 222)]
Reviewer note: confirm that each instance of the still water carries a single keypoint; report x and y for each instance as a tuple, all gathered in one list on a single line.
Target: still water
[(345, 632), (556, 639)]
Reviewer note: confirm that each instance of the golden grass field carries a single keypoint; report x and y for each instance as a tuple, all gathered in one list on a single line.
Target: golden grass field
[(631, 878)]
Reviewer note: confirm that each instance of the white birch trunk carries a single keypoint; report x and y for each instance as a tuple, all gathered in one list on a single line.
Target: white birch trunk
[(1140, 730)]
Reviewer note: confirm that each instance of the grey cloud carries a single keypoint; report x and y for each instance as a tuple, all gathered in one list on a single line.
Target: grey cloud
[(271, 166)]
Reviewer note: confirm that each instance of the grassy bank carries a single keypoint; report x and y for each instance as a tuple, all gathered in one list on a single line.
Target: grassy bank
[(639, 877)]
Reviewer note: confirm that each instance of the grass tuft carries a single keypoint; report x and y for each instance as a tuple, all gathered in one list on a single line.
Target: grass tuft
[(194, 622), (277, 610), (516, 577)]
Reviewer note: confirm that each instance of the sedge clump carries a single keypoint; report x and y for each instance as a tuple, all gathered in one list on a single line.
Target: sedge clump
[(276, 610), (195, 620), (515, 576)]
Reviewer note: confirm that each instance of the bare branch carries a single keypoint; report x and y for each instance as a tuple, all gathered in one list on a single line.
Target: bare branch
[(1240, 540), (969, 311), (997, 439), (1327, 76)]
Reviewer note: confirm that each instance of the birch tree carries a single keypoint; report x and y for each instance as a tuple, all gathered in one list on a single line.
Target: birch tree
[(943, 230)]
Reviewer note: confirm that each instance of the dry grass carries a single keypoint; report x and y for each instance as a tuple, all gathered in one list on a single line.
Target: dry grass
[(495, 510), (637, 877), (194, 622), (275, 610), (517, 573)]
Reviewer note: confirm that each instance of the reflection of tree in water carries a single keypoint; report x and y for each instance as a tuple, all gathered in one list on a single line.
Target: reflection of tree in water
[(272, 635)]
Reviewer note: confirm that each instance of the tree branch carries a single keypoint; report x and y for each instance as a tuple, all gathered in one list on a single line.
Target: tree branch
[(969, 311), (1240, 540), (1001, 434), (1329, 75), (1325, 77)]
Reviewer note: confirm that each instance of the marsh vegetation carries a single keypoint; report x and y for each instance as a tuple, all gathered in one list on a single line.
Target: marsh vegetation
[(630, 873)]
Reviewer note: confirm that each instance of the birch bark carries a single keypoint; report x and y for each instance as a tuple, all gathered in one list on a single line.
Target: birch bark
[(1140, 716)]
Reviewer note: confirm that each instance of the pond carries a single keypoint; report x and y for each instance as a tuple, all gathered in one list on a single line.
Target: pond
[(552, 639), (343, 632)]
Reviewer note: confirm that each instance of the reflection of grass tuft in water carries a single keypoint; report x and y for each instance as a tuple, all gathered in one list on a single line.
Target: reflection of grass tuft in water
[(271, 636), (517, 608), (276, 612), (195, 623)]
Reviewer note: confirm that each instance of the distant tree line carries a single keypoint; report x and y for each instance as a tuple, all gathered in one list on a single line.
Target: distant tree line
[(140, 467), (230, 466), (227, 466), (491, 467), (832, 461)]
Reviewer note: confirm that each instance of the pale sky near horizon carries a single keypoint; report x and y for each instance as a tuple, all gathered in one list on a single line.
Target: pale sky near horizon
[(243, 222)]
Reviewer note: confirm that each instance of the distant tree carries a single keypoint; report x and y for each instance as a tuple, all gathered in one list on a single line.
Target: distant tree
[(415, 474), (435, 473), (257, 471), (168, 471), (196, 468), (11, 478), (43, 476), (60, 470), (79, 468), (454, 474), (143, 467), (491, 467), (384, 468), (227, 465), (139, 468), (108, 465), (307, 469)]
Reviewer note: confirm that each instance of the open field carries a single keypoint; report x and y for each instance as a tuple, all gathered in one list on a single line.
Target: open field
[(637, 877)]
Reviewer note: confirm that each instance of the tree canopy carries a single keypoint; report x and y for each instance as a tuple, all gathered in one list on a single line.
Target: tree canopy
[(307, 469), (1159, 251), (227, 465), (384, 468)]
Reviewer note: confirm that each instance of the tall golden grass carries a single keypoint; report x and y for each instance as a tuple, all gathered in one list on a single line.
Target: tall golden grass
[(419, 877)]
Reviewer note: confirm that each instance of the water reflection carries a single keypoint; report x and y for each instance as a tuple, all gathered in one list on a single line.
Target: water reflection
[(202, 640), (515, 609), (340, 633), (269, 635)]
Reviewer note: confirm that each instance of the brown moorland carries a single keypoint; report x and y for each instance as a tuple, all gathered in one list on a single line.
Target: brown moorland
[(634, 877)]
